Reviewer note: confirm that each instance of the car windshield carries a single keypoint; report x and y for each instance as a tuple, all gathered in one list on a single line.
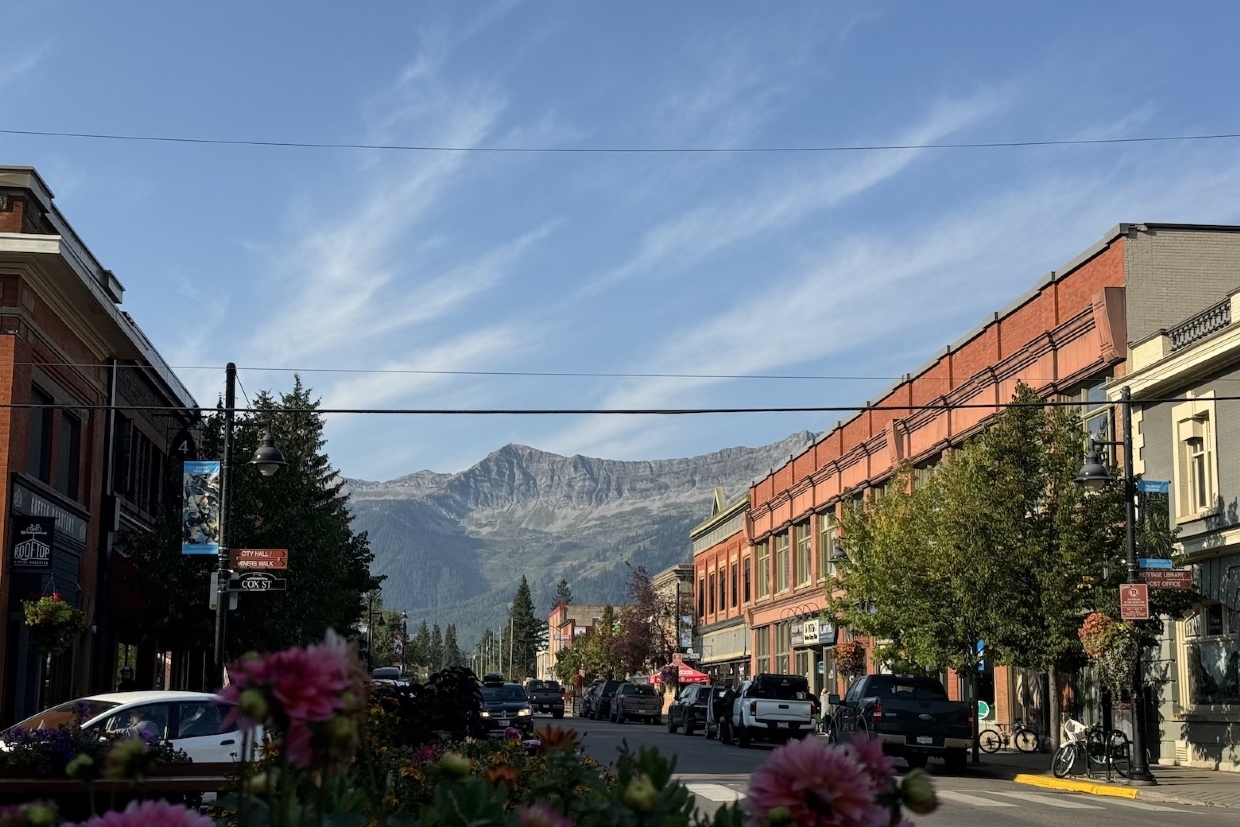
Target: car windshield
[(913, 689), (610, 687), (781, 688), (642, 689), (544, 686), (502, 694), (67, 714)]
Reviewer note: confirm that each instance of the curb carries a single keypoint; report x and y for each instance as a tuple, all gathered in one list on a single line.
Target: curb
[(1089, 787)]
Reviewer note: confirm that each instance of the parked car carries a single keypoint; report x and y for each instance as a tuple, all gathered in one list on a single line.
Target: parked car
[(689, 710), (546, 696), (913, 717), (772, 708), (504, 704), (388, 676), (192, 721), (636, 701), (719, 712), (601, 695)]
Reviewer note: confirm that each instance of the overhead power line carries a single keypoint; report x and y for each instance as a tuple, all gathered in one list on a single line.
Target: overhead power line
[(613, 150)]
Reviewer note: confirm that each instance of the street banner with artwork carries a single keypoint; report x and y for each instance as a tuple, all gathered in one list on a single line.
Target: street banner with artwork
[(200, 509)]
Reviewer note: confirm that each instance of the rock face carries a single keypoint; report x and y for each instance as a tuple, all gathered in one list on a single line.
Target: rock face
[(454, 546)]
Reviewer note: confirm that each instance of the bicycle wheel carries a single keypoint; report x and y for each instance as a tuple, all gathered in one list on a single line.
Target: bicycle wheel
[(1026, 740), (1064, 758), (1121, 753), (988, 740)]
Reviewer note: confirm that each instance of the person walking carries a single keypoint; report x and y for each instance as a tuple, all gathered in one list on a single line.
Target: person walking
[(827, 711), (126, 683)]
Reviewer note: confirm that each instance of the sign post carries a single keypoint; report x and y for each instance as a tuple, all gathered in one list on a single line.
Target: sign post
[(1134, 601)]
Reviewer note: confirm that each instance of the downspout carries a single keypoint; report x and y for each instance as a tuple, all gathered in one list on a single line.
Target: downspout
[(105, 644)]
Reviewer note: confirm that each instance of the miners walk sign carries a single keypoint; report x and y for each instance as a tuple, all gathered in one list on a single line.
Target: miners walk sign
[(32, 542)]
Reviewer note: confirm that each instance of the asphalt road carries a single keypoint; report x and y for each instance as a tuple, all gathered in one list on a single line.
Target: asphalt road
[(719, 774)]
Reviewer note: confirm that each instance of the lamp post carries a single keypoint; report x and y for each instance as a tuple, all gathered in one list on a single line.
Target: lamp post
[(1094, 476), (267, 459), (404, 640)]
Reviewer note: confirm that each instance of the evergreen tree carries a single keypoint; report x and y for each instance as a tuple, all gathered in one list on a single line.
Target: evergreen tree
[(420, 654), (451, 652), (563, 594), (435, 653), (302, 508), (525, 630)]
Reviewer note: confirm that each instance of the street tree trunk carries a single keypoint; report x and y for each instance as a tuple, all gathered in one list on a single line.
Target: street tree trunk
[(1053, 709)]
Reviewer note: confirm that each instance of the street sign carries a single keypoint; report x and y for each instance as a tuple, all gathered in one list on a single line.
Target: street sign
[(258, 558), (1154, 486), (1163, 579), (1155, 563), (213, 596), (1134, 601), (257, 581)]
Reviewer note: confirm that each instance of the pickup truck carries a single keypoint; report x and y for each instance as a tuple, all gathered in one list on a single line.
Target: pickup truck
[(772, 708), (636, 701), (911, 716), (546, 696)]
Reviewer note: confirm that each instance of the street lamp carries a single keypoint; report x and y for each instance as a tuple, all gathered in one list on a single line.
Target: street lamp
[(267, 459), (1094, 476), (404, 640)]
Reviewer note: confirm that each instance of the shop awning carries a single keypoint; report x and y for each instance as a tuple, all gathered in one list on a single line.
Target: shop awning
[(685, 674)]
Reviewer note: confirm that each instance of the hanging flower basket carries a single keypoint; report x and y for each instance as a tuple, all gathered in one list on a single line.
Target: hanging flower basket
[(1112, 645), (54, 624), (850, 658)]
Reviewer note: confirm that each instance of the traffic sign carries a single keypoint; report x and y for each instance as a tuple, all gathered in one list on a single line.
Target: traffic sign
[(1134, 601), (257, 581), (1154, 563), (258, 558), (1154, 486), (1164, 579)]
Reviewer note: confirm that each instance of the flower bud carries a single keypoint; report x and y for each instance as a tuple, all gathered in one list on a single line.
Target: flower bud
[(39, 814), (253, 705), (81, 767), (917, 793), (778, 816), (640, 796), (455, 764)]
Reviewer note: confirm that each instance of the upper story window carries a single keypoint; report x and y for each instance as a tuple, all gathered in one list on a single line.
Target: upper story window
[(39, 436), (701, 598), (1196, 464), (711, 593), (723, 587), (70, 459), (734, 578), (762, 562), (746, 565), (804, 554), (783, 570), (1094, 409), (826, 544)]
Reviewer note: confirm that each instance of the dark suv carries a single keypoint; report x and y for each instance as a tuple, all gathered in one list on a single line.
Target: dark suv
[(505, 705), (546, 696), (598, 701), (689, 709)]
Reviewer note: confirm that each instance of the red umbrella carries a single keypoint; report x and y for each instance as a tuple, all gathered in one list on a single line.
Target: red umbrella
[(685, 674)]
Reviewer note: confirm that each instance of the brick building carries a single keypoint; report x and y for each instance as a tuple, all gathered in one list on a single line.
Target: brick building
[(1067, 337), (723, 575), (64, 341)]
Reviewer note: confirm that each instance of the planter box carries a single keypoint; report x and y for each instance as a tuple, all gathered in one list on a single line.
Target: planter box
[(172, 782)]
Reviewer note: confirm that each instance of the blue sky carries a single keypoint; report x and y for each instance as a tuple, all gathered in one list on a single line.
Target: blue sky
[(842, 264)]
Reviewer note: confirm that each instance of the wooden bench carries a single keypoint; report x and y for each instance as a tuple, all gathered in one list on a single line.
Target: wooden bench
[(172, 782)]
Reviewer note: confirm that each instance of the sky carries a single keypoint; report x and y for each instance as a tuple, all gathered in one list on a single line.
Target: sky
[(851, 266)]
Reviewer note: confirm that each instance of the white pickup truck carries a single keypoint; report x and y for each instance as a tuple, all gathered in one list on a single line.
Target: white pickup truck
[(771, 708)]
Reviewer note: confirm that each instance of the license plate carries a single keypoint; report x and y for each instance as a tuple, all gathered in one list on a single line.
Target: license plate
[(924, 739), (502, 723), (783, 726)]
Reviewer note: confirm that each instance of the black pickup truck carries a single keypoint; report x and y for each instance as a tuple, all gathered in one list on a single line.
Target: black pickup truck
[(911, 716), (546, 696)]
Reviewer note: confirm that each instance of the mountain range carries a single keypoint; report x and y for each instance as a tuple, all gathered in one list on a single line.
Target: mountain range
[(453, 547)]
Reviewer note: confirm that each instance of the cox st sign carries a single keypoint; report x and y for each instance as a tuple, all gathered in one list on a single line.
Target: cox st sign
[(257, 581)]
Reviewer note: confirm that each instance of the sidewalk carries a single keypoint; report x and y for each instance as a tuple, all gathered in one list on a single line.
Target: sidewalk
[(1176, 785)]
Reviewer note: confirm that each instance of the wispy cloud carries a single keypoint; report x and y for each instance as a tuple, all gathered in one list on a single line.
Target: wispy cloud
[(18, 66)]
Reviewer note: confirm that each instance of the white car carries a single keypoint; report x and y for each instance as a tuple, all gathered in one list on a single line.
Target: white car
[(192, 721)]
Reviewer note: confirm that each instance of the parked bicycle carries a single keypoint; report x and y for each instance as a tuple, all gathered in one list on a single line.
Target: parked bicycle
[(1094, 747), (1025, 738)]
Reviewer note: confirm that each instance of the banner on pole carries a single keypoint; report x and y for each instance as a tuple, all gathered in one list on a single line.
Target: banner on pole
[(200, 508)]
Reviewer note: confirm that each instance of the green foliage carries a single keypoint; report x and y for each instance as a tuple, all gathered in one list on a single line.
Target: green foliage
[(998, 545), (563, 594), (387, 627), (648, 626), (434, 653), (302, 508), (525, 629), (54, 623), (594, 653)]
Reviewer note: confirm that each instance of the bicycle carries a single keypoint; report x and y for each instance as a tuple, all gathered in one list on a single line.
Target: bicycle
[(1024, 738), (1090, 743)]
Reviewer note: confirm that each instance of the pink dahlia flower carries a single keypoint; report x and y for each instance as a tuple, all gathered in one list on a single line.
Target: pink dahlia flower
[(869, 752), (151, 814), (819, 784), (308, 684), (542, 815), (299, 745)]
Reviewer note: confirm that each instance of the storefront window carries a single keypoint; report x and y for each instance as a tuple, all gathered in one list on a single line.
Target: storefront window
[(1213, 649)]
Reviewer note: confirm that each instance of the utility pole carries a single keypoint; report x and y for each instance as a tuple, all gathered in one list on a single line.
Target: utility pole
[(222, 573)]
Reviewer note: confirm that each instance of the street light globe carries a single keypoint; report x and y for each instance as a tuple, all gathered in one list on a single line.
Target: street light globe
[(1093, 475), (268, 458)]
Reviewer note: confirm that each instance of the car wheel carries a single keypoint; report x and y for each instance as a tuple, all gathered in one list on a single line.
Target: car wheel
[(688, 726), (558, 715), (916, 762), (671, 723)]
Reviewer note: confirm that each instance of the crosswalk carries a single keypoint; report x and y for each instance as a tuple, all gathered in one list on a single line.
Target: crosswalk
[(982, 799)]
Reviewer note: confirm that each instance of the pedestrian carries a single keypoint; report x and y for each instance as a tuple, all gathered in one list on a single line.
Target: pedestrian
[(827, 711), (126, 683)]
